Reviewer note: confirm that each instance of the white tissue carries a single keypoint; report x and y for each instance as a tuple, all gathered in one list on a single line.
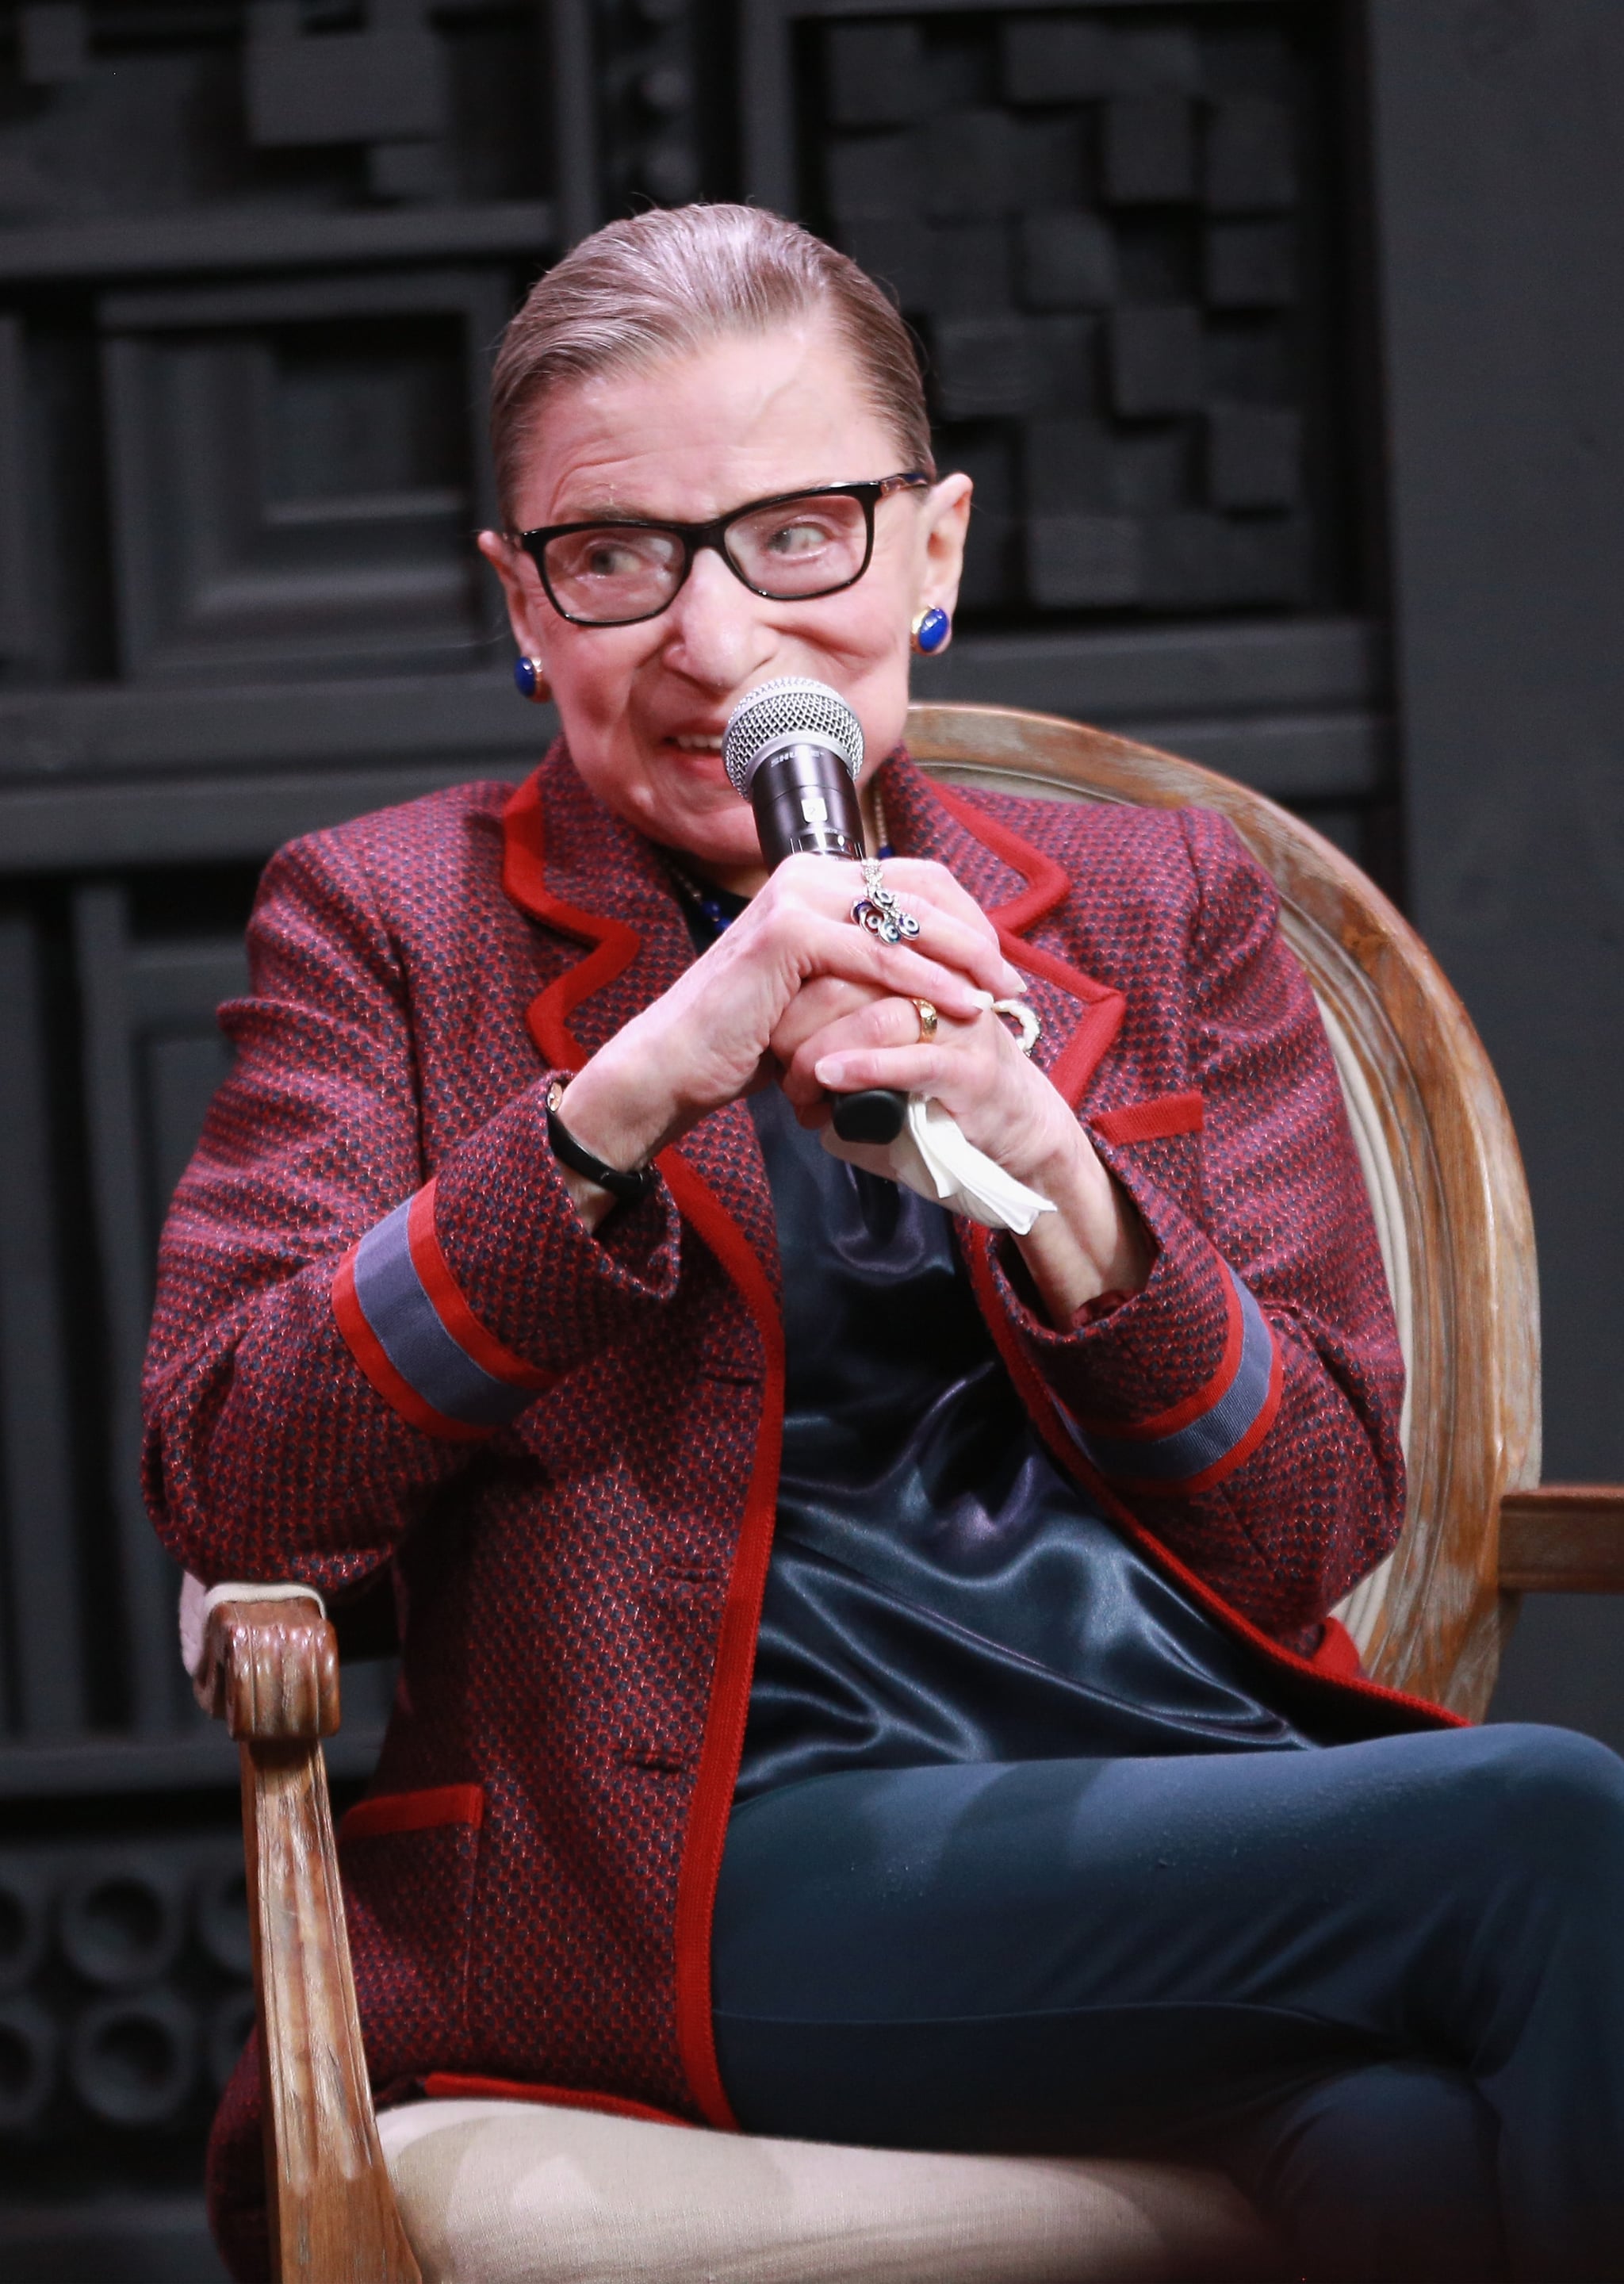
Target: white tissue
[(931, 1156)]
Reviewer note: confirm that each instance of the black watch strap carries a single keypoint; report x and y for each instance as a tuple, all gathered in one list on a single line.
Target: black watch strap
[(630, 1189)]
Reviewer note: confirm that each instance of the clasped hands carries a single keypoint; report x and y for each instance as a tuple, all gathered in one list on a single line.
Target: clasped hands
[(794, 993)]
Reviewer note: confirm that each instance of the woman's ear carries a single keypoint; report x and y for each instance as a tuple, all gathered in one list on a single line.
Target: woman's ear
[(947, 523), (524, 605)]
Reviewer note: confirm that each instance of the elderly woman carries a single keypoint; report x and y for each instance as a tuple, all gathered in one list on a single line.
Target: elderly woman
[(861, 1676)]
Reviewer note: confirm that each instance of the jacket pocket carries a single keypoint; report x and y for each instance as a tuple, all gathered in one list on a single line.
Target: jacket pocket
[(1152, 1121), (1157, 1141), (410, 1861)]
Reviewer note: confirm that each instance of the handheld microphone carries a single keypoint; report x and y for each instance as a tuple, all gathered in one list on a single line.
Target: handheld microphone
[(792, 749)]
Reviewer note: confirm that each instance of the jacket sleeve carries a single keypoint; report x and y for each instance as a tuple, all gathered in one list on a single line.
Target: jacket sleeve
[(1246, 1402), (335, 1335)]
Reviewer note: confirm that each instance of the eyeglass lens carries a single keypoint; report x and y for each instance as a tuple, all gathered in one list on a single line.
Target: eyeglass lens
[(790, 551)]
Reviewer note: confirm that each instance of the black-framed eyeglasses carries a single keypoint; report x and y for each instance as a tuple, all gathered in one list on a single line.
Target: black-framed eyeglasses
[(790, 548)]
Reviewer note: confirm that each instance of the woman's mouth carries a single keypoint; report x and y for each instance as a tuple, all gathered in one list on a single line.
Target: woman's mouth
[(708, 741)]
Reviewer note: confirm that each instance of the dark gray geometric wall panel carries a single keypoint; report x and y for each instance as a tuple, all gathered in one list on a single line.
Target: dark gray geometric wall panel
[(1110, 225), (125, 1999), (16, 607), (140, 1002), (129, 107), (44, 1650), (124, 1985), (653, 70), (127, 975), (295, 470), (208, 477)]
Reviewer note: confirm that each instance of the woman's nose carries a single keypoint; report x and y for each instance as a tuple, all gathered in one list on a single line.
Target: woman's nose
[(718, 631)]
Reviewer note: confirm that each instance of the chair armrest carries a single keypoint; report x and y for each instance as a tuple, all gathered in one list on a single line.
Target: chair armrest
[(270, 1671), (1563, 1538)]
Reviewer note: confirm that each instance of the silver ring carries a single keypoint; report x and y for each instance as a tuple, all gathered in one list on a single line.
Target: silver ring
[(877, 909), (1018, 1013)]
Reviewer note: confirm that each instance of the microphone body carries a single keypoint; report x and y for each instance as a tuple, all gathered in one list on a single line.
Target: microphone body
[(794, 748), (805, 802)]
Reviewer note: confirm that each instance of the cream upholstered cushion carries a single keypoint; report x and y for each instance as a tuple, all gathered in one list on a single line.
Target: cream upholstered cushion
[(515, 2193)]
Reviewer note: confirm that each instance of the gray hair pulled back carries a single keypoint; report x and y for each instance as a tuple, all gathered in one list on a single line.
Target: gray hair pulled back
[(676, 280)]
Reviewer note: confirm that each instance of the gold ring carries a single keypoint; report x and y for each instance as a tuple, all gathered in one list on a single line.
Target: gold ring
[(927, 1021)]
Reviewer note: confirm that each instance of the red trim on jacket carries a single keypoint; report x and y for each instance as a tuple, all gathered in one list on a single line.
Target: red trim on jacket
[(1238, 1453), (1154, 1121), (415, 1811), (1047, 885), (1083, 1053), (1337, 1654), (1191, 1407), (712, 1803), (1047, 882), (524, 877), (449, 2085), (369, 1352), (614, 945), (1045, 1416), (446, 1296)]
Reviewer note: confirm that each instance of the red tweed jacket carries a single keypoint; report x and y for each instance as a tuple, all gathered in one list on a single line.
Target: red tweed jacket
[(385, 1338)]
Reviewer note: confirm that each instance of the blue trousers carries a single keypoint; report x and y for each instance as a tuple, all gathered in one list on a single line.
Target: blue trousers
[(1381, 1985)]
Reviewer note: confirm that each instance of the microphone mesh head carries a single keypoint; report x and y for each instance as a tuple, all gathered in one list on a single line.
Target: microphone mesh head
[(780, 712)]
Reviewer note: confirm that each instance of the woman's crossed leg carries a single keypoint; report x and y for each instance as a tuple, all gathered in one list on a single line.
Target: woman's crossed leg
[(1382, 1984)]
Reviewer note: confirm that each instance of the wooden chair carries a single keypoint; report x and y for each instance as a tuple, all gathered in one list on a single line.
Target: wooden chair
[(1451, 1203)]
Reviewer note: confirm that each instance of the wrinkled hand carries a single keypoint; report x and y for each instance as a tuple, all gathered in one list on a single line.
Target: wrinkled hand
[(708, 1040), (1003, 1102)]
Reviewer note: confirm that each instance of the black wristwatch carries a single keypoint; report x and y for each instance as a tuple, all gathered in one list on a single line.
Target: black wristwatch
[(628, 1189)]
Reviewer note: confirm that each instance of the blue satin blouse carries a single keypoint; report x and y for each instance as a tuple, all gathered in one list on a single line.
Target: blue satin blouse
[(938, 1590)]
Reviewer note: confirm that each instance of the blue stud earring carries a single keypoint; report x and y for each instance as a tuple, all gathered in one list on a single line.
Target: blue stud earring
[(530, 680), (931, 630)]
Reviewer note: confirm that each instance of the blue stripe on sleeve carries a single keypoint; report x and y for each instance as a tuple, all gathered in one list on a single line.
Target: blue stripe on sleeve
[(409, 1330), (1211, 1436)]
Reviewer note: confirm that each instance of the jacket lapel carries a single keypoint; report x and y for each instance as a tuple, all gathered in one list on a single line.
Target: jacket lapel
[(575, 867), (1017, 885), (571, 864)]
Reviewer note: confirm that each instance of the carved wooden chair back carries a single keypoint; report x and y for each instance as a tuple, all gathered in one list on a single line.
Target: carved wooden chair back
[(1441, 1163)]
